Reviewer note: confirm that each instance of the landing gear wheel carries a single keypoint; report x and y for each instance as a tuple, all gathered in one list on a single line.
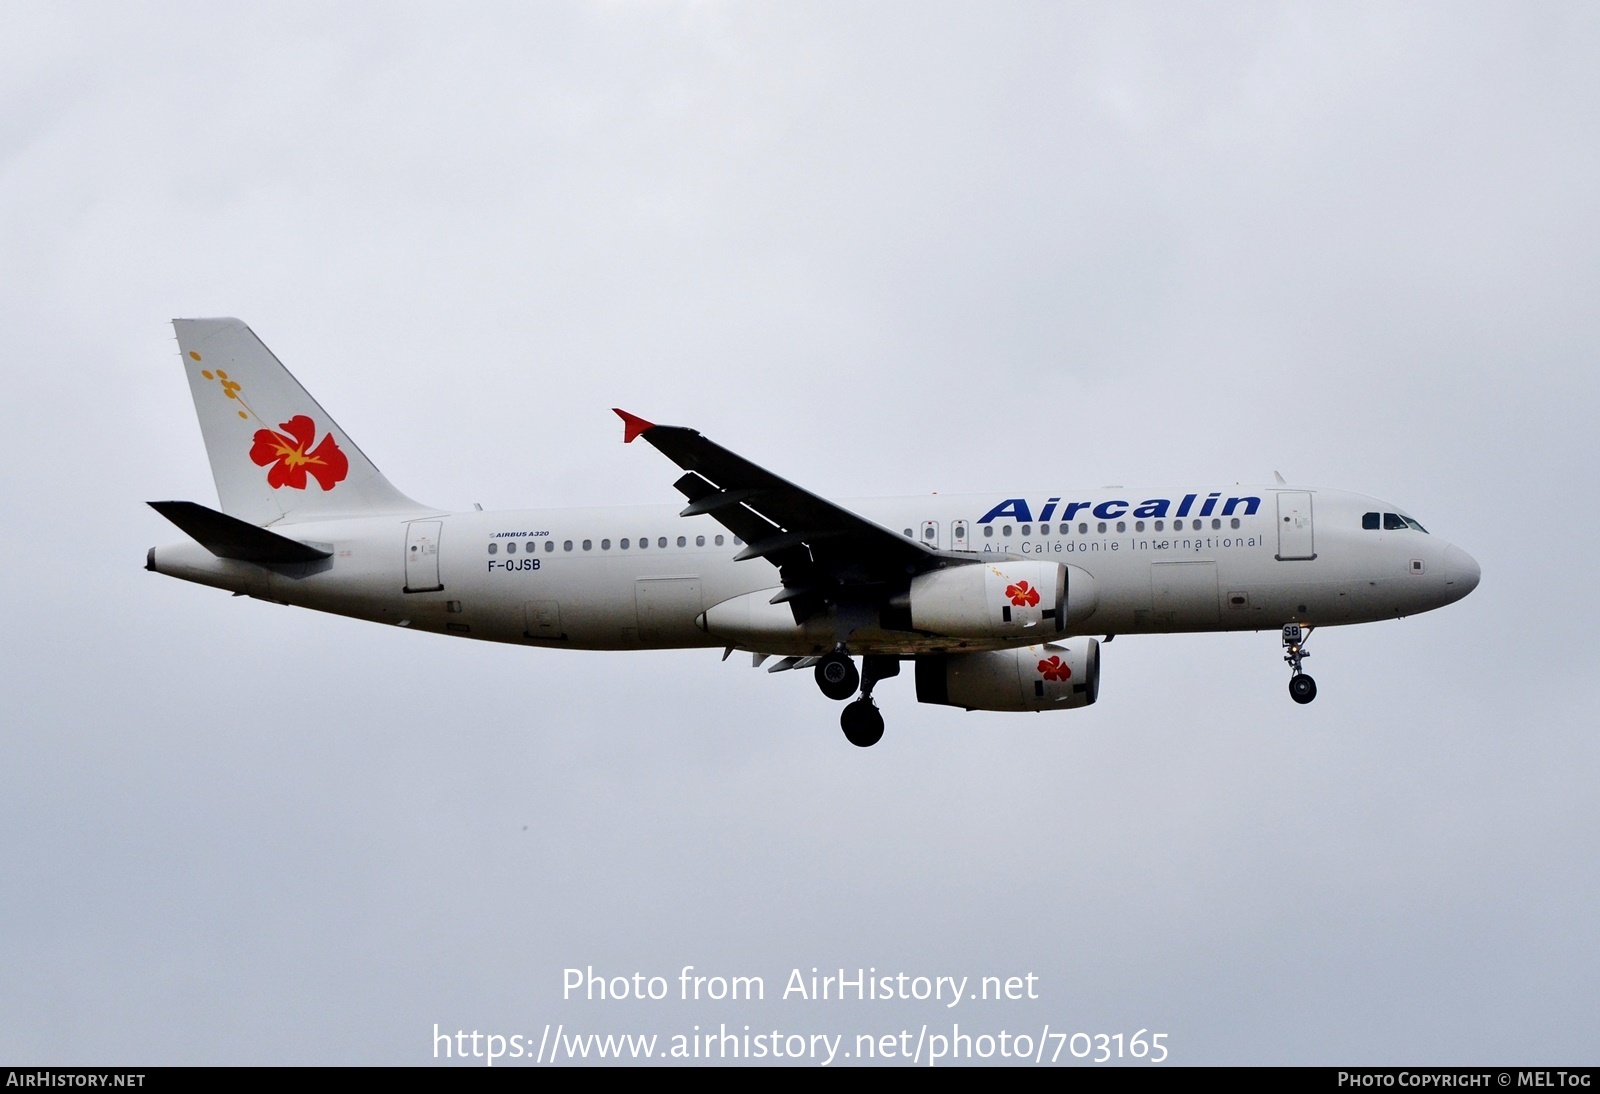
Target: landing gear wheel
[(1302, 689), (862, 723), (837, 676)]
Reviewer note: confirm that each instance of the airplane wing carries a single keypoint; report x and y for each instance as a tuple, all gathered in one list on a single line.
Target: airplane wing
[(822, 550)]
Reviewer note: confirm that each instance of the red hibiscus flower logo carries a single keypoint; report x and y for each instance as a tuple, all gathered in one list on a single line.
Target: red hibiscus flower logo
[(1023, 595), (292, 457), (1053, 668)]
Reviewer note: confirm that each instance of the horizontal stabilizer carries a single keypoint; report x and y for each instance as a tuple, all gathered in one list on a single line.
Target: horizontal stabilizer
[(230, 537)]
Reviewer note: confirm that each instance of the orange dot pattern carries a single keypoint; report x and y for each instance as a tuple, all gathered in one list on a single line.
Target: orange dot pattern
[(230, 388)]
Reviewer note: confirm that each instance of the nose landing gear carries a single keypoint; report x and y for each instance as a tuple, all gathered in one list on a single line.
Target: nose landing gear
[(1302, 689)]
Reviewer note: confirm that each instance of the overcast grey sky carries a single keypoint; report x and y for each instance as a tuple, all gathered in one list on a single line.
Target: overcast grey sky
[(882, 249)]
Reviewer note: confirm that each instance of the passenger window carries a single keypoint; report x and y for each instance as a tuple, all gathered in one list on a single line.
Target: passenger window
[(644, 541), (1005, 529), (961, 531), (1101, 527), (587, 544), (623, 545), (988, 529), (699, 541), (549, 545), (929, 532), (1393, 523), (682, 542), (605, 545), (567, 546), (1138, 526), (737, 542), (1236, 522), (1177, 526), (1122, 526), (493, 547), (718, 541), (1369, 521), (909, 535), (1027, 529), (1158, 525), (511, 548), (661, 541)]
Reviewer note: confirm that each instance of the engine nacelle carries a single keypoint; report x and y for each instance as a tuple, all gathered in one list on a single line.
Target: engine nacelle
[(1003, 599), (1052, 677)]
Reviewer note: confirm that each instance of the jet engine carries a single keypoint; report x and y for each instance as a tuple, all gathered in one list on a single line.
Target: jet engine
[(1050, 677), (1003, 599)]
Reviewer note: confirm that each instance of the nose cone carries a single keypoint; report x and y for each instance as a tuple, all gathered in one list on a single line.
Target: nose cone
[(1461, 572)]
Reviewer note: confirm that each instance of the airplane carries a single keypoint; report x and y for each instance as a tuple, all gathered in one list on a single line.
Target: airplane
[(994, 600)]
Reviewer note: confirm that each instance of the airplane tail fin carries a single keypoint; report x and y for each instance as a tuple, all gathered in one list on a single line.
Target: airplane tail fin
[(274, 452)]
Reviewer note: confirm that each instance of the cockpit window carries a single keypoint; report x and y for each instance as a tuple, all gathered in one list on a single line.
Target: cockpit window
[(1393, 522), (1369, 521)]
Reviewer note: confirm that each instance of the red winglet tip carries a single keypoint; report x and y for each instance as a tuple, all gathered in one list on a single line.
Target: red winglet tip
[(632, 424)]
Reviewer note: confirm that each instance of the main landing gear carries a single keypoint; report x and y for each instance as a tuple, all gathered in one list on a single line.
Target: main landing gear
[(836, 674), (837, 677), (1302, 689), (862, 723)]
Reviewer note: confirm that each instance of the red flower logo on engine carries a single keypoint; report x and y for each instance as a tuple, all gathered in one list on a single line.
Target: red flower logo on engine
[(1023, 595), (1053, 668), (292, 457)]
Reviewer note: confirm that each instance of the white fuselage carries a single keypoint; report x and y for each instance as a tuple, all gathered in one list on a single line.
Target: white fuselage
[(1161, 561)]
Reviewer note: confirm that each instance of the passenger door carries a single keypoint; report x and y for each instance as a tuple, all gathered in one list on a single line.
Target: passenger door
[(1296, 540), (422, 556)]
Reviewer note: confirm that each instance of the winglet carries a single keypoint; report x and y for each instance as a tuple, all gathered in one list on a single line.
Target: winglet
[(632, 425)]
